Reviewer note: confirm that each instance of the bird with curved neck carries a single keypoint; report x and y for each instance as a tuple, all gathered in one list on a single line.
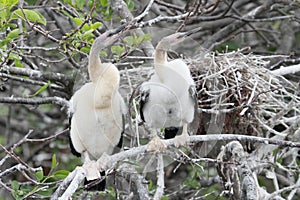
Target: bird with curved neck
[(97, 110), (168, 99)]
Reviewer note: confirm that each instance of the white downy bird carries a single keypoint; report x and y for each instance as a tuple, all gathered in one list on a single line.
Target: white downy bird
[(168, 99), (97, 109)]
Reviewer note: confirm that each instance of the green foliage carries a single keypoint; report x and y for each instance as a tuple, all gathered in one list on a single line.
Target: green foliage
[(39, 175), (102, 6), (151, 187), (164, 198), (192, 182), (130, 4), (228, 46), (131, 42), (212, 193), (83, 36), (111, 193), (117, 50), (2, 138), (31, 2), (11, 31), (54, 162), (134, 40), (17, 193), (79, 4), (13, 34), (271, 48), (104, 3), (297, 39), (41, 89), (31, 15), (23, 191), (5, 8), (261, 182)]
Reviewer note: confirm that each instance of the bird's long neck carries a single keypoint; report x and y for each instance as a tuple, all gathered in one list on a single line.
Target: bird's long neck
[(95, 66), (160, 59)]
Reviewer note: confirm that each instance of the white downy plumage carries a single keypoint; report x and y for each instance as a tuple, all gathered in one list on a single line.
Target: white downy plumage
[(168, 99), (96, 109)]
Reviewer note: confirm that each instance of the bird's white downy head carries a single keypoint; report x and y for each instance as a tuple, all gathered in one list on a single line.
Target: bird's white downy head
[(166, 42)]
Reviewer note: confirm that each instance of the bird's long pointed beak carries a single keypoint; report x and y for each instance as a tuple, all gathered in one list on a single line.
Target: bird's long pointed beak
[(117, 30), (188, 33)]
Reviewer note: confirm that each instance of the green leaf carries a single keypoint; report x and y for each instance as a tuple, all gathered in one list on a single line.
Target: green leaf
[(103, 53), (117, 50), (130, 4), (104, 3), (96, 25), (279, 160), (19, 64), (108, 13), (8, 4), (14, 56), (39, 175), (129, 40), (54, 163), (192, 182), (13, 34), (147, 37), (61, 174), (80, 3), (85, 49), (88, 34), (31, 2), (5, 8), (15, 185), (31, 15), (151, 186), (139, 40), (86, 27), (43, 88), (46, 192), (77, 21)]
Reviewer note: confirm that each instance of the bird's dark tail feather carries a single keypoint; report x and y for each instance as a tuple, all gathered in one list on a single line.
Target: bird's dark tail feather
[(171, 132), (96, 185), (74, 152)]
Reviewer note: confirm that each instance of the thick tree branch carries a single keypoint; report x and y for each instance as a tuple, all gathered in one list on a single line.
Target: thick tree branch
[(38, 75), (36, 101), (110, 161), (287, 70)]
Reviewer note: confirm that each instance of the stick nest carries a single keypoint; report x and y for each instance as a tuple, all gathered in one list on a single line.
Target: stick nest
[(253, 100), (239, 89)]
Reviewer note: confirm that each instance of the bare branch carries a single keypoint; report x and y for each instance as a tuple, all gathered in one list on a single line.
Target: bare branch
[(37, 75), (287, 70), (36, 101), (160, 177)]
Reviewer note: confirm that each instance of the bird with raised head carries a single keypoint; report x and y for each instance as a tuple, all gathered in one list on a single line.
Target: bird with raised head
[(168, 99), (97, 109)]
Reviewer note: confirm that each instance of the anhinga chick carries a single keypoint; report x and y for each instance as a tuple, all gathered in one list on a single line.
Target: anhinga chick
[(96, 109), (168, 99)]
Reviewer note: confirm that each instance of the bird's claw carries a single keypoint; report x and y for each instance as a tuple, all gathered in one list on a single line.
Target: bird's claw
[(156, 144), (181, 140), (91, 170), (103, 162)]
